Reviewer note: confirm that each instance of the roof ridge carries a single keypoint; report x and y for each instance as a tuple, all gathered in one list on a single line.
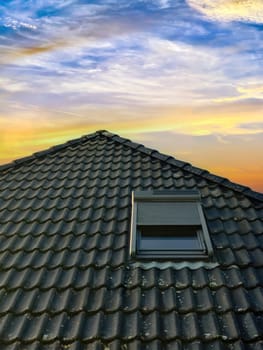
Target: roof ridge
[(185, 166), (149, 151)]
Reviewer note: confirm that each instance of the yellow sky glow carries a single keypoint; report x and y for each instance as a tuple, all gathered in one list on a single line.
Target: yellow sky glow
[(18, 140)]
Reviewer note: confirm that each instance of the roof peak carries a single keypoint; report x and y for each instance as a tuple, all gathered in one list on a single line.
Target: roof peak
[(149, 151)]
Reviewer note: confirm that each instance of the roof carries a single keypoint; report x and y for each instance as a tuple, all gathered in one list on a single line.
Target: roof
[(67, 280)]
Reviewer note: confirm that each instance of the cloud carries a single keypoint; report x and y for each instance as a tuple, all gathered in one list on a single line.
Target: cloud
[(16, 24), (163, 4), (94, 54), (198, 121), (248, 91), (251, 89), (72, 25), (12, 85), (10, 55), (252, 126), (230, 10), (132, 71)]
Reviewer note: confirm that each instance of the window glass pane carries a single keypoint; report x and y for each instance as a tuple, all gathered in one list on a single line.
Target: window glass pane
[(169, 238)]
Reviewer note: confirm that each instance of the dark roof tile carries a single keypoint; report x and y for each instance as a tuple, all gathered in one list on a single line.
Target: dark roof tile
[(190, 328), (204, 300), (251, 326), (183, 278), (226, 257), (252, 277), (184, 300), (90, 327), (43, 301), (233, 277), (223, 302), (256, 257), (228, 325), (257, 345), (255, 297), (199, 278), (11, 327)]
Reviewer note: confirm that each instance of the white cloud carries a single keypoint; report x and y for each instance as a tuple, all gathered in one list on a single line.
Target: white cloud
[(13, 85), (158, 72), (16, 24), (163, 3), (164, 73)]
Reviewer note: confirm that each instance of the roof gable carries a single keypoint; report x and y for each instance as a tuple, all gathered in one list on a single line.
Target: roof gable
[(66, 277)]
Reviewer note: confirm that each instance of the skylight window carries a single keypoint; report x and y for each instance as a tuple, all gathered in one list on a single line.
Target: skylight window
[(169, 224)]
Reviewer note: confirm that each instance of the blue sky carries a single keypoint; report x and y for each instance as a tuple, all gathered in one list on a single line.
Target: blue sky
[(181, 76)]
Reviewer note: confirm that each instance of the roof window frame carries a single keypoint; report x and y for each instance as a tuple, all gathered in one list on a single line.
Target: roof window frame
[(176, 197)]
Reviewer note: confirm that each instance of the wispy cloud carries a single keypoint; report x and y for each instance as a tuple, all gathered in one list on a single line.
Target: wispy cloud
[(258, 127), (92, 72), (248, 91)]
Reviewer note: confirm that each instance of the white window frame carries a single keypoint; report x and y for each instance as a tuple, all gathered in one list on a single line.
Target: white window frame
[(178, 199)]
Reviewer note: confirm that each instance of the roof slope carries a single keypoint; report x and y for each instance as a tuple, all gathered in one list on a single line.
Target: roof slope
[(66, 278)]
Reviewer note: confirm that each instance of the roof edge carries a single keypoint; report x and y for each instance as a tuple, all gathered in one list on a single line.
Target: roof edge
[(143, 149), (185, 166), (48, 151)]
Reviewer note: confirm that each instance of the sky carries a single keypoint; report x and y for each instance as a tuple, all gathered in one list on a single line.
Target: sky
[(184, 77)]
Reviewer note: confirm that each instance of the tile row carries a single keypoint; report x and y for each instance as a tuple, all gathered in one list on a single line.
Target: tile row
[(101, 241), (62, 228), (126, 326), (91, 300), (56, 243), (128, 277), (119, 344), (65, 258), (104, 256)]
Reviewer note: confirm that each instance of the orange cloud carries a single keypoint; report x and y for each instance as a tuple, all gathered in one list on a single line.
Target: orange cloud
[(9, 55), (34, 50)]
